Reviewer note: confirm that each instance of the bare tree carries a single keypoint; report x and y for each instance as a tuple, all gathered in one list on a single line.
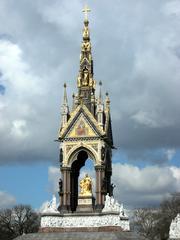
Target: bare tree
[(169, 209), (154, 224), (16, 221), (145, 221)]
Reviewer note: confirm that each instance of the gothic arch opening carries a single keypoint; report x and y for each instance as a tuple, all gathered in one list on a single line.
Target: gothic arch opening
[(77, 164)]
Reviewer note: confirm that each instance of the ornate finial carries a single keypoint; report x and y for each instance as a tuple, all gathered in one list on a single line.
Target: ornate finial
[(100, 94), (107, 100), (65, 94), (86, 10)]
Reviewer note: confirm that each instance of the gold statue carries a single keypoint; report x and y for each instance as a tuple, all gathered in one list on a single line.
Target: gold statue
[(86, 186), (91, 82), (86, 78), (79, 81)]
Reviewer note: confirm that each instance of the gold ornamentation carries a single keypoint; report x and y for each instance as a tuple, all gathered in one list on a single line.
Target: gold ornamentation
[(86, 186), (69, 147), (79, 81), (95, 146), (81, 129)]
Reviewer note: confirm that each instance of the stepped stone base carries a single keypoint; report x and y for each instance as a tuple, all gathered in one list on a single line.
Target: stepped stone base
[(83, 229), (82, 236)]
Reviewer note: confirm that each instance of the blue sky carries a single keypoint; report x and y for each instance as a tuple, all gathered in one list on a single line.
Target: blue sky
[(136, 55)]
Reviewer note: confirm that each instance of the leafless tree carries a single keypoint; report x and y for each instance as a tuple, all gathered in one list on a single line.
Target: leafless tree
[(154, 223), (169, 209), (17, 221), (145, 221)]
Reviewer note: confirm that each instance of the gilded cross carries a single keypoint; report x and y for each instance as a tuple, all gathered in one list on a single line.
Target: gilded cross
[(86, 10)]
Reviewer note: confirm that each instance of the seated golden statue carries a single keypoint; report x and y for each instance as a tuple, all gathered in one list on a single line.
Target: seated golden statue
[(86, 186)]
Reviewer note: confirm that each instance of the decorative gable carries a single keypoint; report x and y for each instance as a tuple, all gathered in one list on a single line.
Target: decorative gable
[(81, 124), (81, 128)]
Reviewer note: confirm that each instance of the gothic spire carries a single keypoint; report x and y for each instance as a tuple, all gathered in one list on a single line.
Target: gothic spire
[(100, 92), (85, 81), (65, 100), (64, 108)]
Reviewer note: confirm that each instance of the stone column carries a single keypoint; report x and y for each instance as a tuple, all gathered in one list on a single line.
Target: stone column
[(65, 171), (100, 173), (74, 189)]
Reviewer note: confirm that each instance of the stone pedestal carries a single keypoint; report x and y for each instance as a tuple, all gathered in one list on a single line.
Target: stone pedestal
[(85, 204), (84, 222), (112, 218)]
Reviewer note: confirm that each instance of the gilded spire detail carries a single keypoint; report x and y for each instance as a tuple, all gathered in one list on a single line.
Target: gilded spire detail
[(85, 77)]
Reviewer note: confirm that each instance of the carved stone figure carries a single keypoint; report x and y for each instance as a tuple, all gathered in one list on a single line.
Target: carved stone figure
[(113, 206), (174, 232), (86, 78), (112, 188), (61, 156), (60, 185), (103, 153), (50, 207), (86, 186), (79, 81), (104, 184)]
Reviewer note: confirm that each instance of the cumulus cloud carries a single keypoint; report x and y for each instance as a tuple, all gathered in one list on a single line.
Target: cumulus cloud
[(6, 200), (147, 186), (53, 178), (19, 108), (170, 153)]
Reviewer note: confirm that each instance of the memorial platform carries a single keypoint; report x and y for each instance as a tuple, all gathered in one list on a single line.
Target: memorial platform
[(82, 236), (57, 222)]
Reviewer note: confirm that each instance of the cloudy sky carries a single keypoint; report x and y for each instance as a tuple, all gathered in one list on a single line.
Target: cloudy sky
[(136, 51)]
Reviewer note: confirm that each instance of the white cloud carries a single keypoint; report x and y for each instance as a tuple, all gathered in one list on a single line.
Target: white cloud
[(170, 153), (53, 178), (144, 186), (62, 14), (19, 129), (16, 74), (146, 119), (140, 70), (21, 109), (172, 8), (176, 174), (6, 200)]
